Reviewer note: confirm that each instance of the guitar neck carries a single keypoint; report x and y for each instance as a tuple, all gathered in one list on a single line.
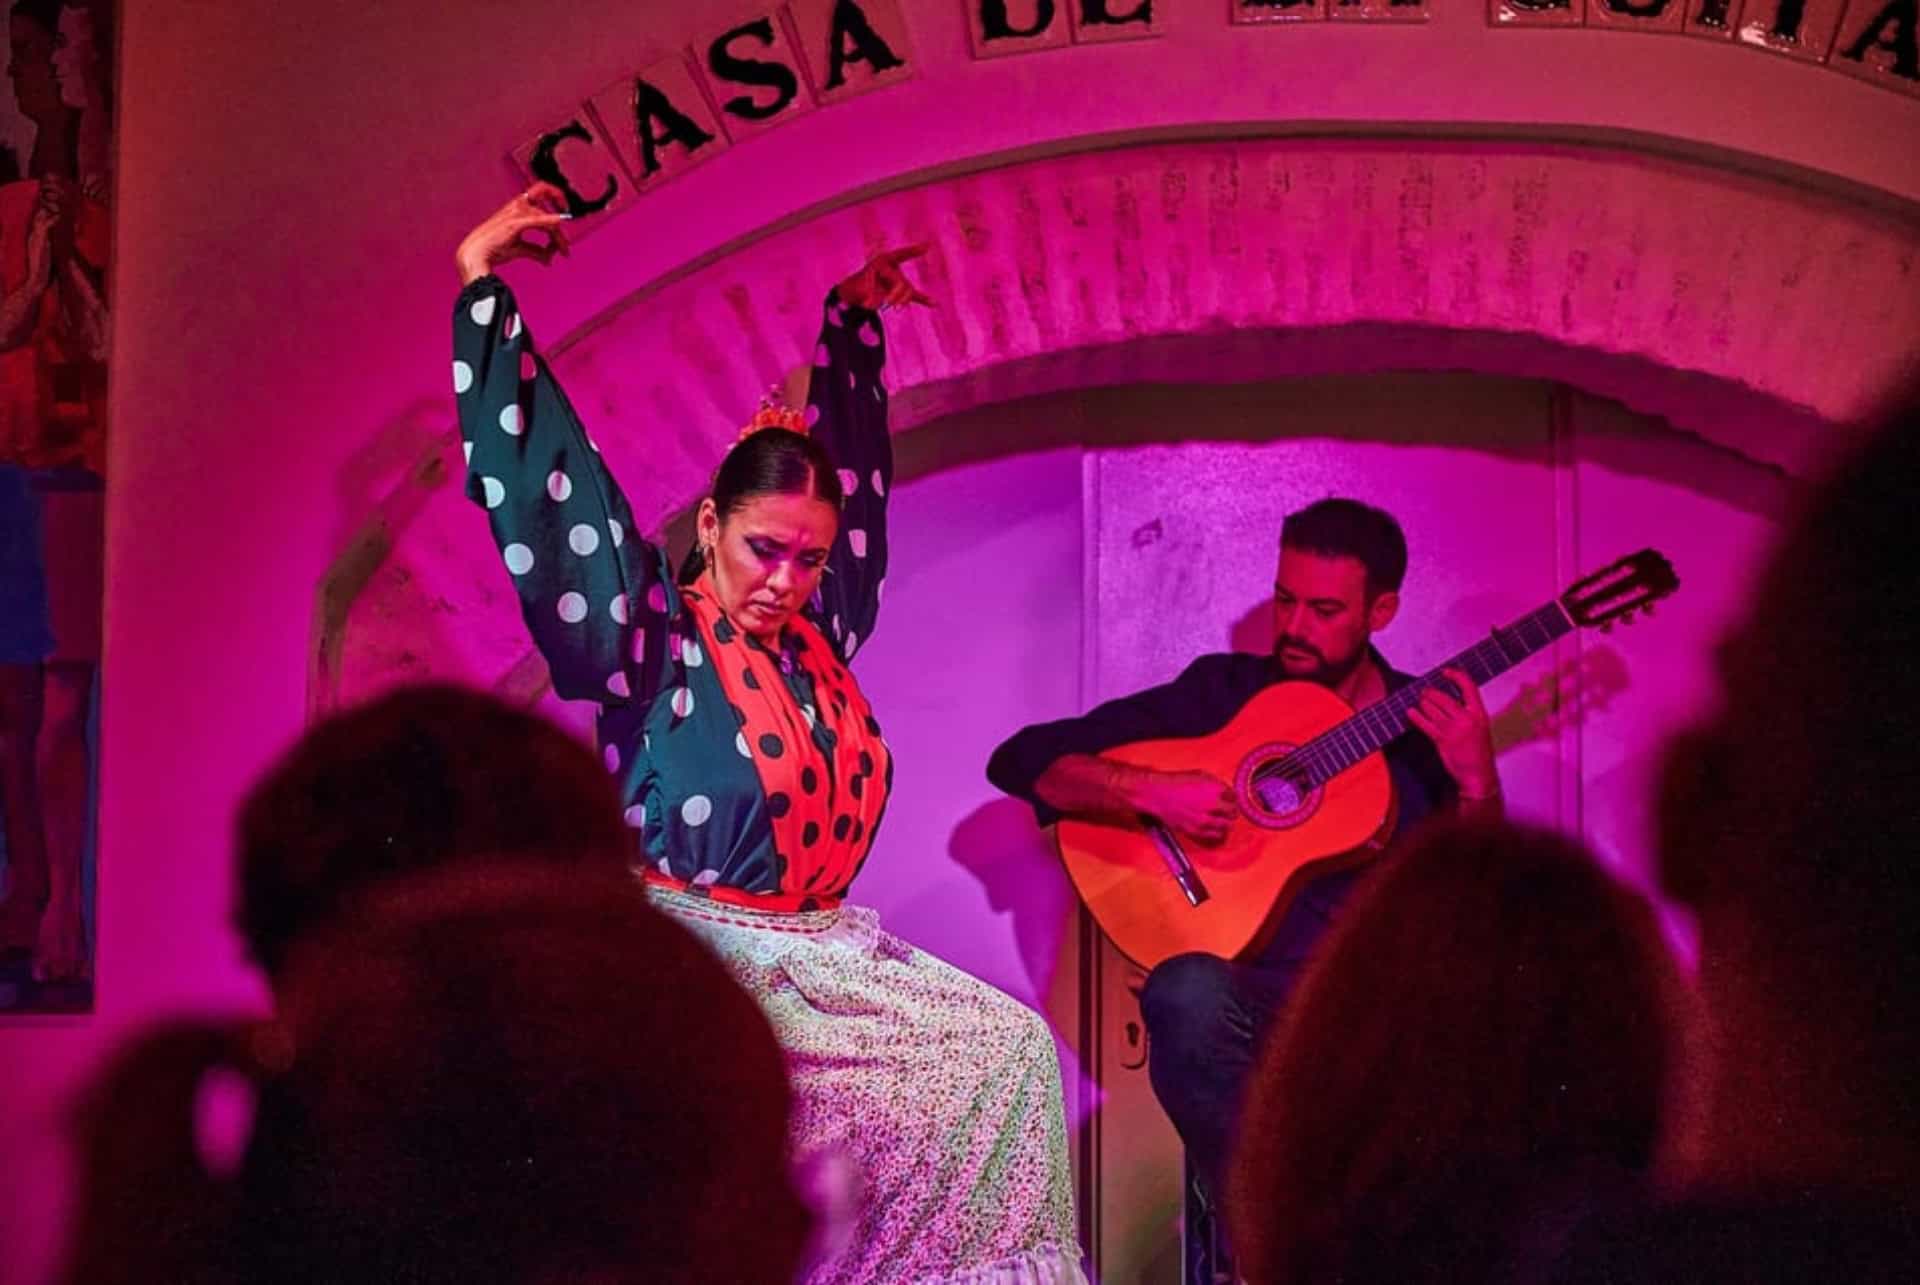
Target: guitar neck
[(1336, 750)]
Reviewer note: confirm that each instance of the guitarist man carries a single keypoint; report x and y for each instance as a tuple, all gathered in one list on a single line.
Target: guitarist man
[(1341, 564)]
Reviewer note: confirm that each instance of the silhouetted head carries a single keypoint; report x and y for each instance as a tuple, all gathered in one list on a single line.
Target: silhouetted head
[(423, 777), (483, 1072), (1789, 816), (1491, 1021)]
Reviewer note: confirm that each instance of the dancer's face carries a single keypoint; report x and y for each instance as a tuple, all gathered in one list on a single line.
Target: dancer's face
[(30, 64), (767, 557), (76, 60)]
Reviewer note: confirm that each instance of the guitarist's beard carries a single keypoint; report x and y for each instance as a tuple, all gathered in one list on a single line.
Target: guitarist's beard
[(1324, 673)]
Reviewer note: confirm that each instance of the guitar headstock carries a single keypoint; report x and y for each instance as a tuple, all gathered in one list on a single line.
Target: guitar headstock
[(1620, 589)]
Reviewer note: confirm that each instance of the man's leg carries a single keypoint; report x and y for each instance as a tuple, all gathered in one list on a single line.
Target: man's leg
[(60, 954), (1206, 1018), (71, 515), (27, 875), (1203, 1026)]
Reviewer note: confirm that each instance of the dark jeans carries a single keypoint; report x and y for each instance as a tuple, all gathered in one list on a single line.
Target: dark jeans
[(1206, 1018)]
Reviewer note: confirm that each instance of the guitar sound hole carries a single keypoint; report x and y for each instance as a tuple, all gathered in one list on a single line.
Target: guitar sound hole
[(1281, 795), (1274, 793)]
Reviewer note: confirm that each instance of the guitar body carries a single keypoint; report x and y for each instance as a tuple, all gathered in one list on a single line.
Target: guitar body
[(1268, 856), (1291, 830)]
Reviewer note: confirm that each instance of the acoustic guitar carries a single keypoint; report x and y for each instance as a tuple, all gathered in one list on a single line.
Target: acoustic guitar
[(1311, 781)]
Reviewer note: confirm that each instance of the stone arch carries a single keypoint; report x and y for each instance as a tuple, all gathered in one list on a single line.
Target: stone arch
[(1761, 308)]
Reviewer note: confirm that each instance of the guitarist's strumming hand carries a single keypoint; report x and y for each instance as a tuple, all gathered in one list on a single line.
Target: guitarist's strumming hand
[(1193, 805), (1460, 730)]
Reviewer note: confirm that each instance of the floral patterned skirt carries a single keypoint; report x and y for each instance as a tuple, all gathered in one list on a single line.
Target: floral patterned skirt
[(942, 1092)]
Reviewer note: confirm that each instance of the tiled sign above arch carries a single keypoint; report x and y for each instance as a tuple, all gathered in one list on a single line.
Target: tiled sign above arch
[(737, 81)]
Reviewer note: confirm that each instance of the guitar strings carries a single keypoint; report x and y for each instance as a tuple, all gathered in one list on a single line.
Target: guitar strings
[(1309, 766), (1641, 578)]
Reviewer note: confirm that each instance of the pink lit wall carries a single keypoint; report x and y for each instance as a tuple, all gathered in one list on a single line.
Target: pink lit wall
[(293, 180)]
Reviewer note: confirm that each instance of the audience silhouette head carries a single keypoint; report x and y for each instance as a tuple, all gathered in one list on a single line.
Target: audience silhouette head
[(422, 777), (479, 1073), (1789, 825), (1476, 1057)]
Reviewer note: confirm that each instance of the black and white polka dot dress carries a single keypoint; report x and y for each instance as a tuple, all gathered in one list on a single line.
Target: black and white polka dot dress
[(601, 604), (754, 813)]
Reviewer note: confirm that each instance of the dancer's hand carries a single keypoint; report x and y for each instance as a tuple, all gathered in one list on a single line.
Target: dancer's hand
[(53, 203), (500, 237), (49, 231), (883, 282)]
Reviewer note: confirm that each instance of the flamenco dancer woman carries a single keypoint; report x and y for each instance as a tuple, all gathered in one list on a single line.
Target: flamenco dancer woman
[(755, 774)]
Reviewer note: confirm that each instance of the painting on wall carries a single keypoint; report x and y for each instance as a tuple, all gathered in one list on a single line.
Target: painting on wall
[(56, 183)]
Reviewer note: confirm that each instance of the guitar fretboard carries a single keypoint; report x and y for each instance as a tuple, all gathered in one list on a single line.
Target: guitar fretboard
[(1334, 751)]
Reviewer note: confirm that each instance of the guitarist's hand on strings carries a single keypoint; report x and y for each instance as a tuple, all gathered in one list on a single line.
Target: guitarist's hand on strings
[(1193, 805), (1461, 731)]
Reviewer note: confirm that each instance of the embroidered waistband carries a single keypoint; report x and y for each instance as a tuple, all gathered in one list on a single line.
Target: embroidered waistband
[(675, 897)]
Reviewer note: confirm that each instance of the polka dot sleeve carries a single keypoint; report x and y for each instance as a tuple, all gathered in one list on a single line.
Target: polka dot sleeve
[(847, 405), (595, 596)]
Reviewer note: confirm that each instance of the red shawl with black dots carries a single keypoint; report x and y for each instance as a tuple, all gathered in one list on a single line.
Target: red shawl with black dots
[(822, 765)]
